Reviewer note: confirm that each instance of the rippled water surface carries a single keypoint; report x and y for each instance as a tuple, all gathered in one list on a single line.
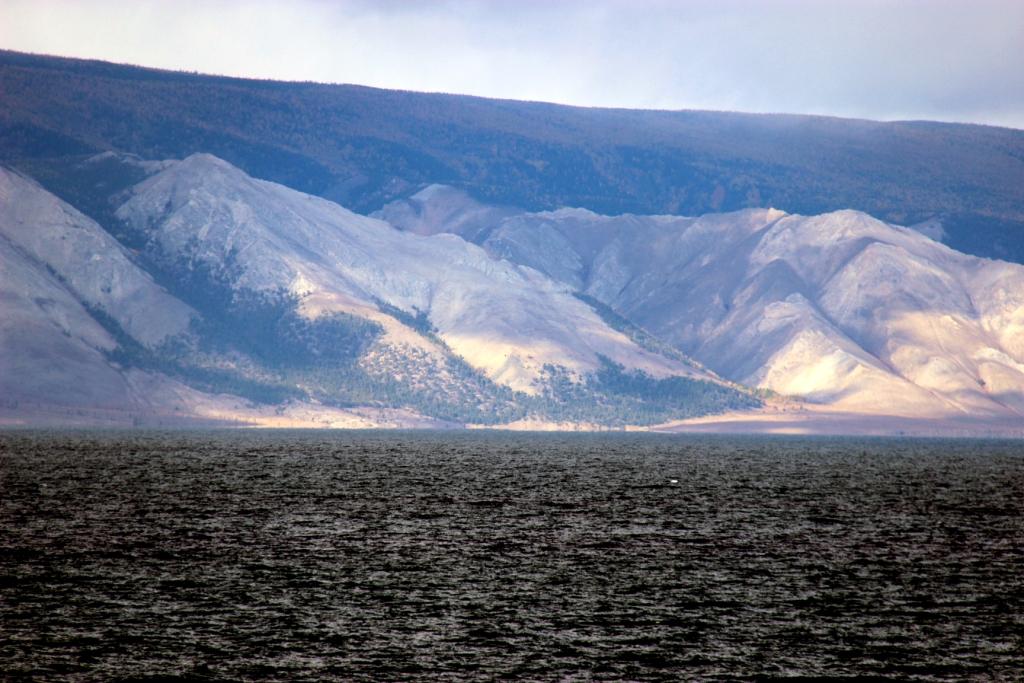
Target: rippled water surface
[(420, 556)]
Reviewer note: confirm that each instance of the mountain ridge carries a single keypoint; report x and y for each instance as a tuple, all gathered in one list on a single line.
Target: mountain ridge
[(364, 147), (122, 69), (295, 302), (368, 257), (311, 310), (840, 308)]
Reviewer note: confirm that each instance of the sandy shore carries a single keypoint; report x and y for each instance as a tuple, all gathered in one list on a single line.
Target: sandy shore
[(784, 417), (804, 418)]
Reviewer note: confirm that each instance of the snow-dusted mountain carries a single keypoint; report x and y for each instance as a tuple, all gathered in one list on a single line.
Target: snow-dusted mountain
[(839, 309)]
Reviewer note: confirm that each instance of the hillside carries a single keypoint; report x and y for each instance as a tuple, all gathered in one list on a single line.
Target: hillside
[(363, 147), (840, 309), (202, 293), (207, 293)]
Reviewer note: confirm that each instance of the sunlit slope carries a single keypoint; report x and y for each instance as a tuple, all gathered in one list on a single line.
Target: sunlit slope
[(508, 321), (208, 294), (841, 308)]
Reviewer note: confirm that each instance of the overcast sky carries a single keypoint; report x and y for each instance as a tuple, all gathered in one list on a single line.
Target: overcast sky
[(884, 59)]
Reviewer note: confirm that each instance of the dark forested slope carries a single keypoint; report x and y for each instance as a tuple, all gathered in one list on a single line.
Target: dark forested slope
[(363, 146)]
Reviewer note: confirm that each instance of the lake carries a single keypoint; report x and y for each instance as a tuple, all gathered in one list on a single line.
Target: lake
[(477, 556)]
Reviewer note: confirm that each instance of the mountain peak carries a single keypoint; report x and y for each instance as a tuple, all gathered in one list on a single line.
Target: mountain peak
[(437, 191)]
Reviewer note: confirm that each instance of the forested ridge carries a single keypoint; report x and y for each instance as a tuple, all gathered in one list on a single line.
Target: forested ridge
[(363, 146)]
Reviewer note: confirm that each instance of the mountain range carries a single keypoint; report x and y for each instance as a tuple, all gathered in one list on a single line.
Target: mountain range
[(364, 147), (228, 285), (840, 309), (300, 254)]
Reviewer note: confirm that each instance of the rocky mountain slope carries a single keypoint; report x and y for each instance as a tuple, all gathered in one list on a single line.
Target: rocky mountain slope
[(225, 285), (59, 272), (840, 309), (193, 291), (504, 320)]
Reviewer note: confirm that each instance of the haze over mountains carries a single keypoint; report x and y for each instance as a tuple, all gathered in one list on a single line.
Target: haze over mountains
[(497, 281)]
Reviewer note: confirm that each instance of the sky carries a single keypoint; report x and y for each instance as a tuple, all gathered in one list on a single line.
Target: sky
[(947, 60)]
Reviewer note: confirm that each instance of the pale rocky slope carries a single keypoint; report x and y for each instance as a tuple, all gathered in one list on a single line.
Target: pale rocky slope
[(56, 264), (88, 335), (440, 208), (89, 262), (505, 320), (840, 309), (51, 349), (58, 271)]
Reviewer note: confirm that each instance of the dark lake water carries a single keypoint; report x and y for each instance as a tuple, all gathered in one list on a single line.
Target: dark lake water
[(424, 556)]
